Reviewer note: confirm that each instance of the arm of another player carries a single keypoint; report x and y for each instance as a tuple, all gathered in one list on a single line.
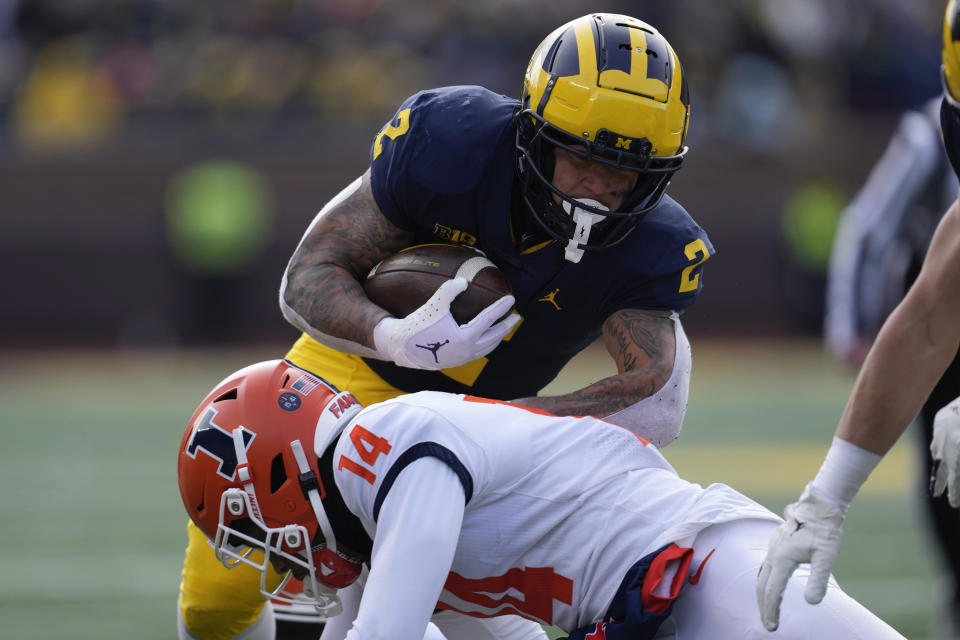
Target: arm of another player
[(417, 533), (653, 363), (912, 350)]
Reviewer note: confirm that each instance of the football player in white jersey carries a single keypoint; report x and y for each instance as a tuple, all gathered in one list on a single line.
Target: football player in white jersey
[(473, 508), (910, 354)]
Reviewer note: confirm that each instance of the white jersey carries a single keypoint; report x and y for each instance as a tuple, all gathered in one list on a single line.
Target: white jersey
[(495, 509)]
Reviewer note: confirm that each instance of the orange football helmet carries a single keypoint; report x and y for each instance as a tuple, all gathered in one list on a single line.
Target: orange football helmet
[(249, 477)]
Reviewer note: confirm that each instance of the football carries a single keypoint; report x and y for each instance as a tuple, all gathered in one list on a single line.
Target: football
[(401, 283)]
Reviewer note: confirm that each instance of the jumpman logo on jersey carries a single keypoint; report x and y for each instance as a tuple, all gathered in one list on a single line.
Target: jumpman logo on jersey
[(551, 298), (433, 347)]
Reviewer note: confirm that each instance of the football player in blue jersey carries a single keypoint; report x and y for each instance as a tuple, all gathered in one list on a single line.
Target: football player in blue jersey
[(912, 350), (564, 189)]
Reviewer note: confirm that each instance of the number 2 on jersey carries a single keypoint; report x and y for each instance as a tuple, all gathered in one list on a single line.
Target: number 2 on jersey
[(368, 446), (688, 279), (392, 131)]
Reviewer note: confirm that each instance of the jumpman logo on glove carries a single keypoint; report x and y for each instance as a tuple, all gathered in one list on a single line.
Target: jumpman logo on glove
[(433, 347)]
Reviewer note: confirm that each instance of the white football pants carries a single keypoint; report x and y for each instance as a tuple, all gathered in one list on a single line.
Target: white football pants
[(722, 605)]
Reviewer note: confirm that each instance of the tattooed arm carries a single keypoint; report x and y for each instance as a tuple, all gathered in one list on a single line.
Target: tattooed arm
[(649, 393), (321, 293)]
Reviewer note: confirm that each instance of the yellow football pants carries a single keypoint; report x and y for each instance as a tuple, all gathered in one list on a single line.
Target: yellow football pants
[(217, 603)]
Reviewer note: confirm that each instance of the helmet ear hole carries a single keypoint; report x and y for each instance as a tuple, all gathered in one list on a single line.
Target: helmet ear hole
[(278, 474)]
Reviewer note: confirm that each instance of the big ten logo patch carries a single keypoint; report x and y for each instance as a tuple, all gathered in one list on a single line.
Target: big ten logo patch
[(454, 235)]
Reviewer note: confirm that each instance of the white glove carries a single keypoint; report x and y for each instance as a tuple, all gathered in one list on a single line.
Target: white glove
[(945, 450), (810, 533), (429, 338)]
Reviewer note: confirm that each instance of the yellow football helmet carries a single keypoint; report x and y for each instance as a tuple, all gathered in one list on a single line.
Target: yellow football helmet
[(951, 53), (607, 88)]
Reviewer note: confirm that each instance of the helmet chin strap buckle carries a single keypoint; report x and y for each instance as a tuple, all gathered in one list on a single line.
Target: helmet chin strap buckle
[(583, 220)]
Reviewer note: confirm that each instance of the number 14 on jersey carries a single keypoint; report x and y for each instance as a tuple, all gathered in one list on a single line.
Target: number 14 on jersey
[(368, 446)]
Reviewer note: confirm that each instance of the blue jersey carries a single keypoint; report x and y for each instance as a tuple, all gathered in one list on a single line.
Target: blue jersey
[(444, 169)]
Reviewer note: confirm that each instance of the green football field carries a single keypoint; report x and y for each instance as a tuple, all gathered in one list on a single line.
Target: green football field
[(92, 529)]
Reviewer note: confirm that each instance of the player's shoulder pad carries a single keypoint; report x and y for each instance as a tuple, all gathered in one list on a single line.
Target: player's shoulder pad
[(444, 137), (666, 241), (405, 413)]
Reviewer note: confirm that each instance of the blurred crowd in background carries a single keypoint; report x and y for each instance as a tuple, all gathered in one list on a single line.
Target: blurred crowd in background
[(160, 158), (77, 72)]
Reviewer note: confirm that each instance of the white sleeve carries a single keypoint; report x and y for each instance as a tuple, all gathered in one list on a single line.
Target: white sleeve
[(417, 534), (658, 418), (336, 628)]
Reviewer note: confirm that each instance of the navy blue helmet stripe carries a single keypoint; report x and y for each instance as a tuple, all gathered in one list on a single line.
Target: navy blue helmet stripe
[(615, 51), (613, 47), (684, 91), (563, 59), (659, 60)]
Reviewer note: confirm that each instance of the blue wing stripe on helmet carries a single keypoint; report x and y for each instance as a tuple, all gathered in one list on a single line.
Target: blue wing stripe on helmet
[(684, 93), (614, 47), (563, 59), (414, 453), (659, 60)]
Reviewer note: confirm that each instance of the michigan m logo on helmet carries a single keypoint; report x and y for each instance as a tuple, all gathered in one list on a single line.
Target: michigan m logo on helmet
[(607, 88)]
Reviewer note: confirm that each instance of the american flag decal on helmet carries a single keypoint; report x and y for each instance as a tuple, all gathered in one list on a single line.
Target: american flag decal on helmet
[(306, 383)]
